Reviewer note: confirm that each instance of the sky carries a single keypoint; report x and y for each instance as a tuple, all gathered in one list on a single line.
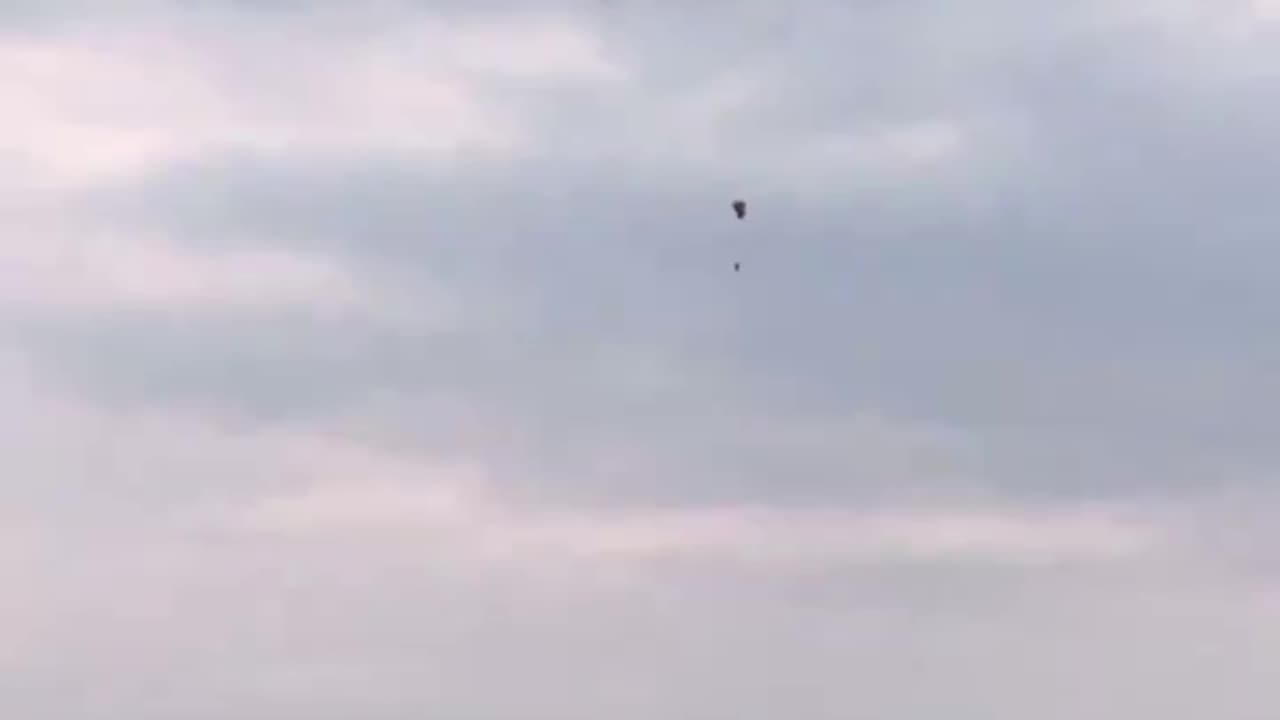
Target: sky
[(386, 360)]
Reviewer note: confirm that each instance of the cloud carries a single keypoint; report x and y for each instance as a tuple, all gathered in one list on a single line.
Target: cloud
[(96, 105), (431, 510), (387, 359), (120, 272)]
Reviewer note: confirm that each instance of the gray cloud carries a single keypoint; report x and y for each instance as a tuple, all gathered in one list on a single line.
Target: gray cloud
[(417, 379), (1063, 293)]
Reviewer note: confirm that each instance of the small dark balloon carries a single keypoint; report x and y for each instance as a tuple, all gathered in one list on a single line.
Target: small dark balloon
[(740, 208)]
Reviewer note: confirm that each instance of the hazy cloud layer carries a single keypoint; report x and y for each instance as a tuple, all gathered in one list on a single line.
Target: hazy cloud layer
[(386, 359)]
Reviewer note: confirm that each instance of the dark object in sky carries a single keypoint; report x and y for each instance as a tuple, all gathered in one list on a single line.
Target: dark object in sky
[(740, 207), (737, 266)]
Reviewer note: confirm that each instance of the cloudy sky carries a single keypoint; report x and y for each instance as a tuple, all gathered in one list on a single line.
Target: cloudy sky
[(385, 360)]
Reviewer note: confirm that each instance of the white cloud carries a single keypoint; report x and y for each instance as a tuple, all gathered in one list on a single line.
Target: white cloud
[(91, 106), (102, 270), (532, 48), (434, 507)]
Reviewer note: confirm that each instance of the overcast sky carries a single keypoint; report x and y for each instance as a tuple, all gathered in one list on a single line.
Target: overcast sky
[(386, 360)]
